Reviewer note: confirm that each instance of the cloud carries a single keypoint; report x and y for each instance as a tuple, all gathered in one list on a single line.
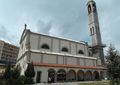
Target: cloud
[(3, 31), (70, 20), (5, 36), (48, 27), (44, 27), (67, 19), (109, 17)]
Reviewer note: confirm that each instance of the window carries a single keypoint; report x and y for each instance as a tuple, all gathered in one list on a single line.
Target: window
[(80, 52), (64, 49), (89, 9), (45, 46), (94, 8)]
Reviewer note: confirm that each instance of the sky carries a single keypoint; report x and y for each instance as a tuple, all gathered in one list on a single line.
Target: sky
[(61, 18)]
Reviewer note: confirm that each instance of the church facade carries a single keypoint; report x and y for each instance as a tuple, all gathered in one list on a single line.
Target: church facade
[(62, 59)]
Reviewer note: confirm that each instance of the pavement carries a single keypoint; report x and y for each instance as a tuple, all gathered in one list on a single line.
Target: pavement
[(68, 83)]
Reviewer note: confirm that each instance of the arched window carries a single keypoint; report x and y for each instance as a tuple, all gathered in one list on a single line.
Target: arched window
[(64, 49), (89, 9), (80, 52), (45, 46), (94, 8)]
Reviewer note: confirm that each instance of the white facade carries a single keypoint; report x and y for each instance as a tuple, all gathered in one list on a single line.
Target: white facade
[(54, 57)]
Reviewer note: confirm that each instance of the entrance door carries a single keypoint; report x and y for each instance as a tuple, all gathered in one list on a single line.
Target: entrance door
[(51, 75), (38, 79)]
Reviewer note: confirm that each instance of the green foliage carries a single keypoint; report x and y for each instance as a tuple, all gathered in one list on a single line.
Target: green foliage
[(7, 73), (1, 82), (29, 73), (29, 80), (30, 70), (114, 82), (113, 65), (15, 73), (12, 76)]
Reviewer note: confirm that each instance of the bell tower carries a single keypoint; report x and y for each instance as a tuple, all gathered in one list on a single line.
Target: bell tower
[(97, 46)]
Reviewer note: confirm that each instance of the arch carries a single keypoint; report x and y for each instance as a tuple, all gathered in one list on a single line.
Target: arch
[(80, 75), (96, 75), (71, 75), (51, 75), (88, 75), (89, 9), (61, 75), (45, 46), (64, 49), (80, 52), (101, 75)]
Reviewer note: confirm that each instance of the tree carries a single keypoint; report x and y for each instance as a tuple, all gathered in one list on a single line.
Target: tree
[(7, 73), (29, 73), (113, 65), (12, 76), (15, 73), (16, 78)]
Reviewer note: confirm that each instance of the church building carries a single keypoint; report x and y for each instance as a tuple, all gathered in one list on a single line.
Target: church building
[(61, 59)]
